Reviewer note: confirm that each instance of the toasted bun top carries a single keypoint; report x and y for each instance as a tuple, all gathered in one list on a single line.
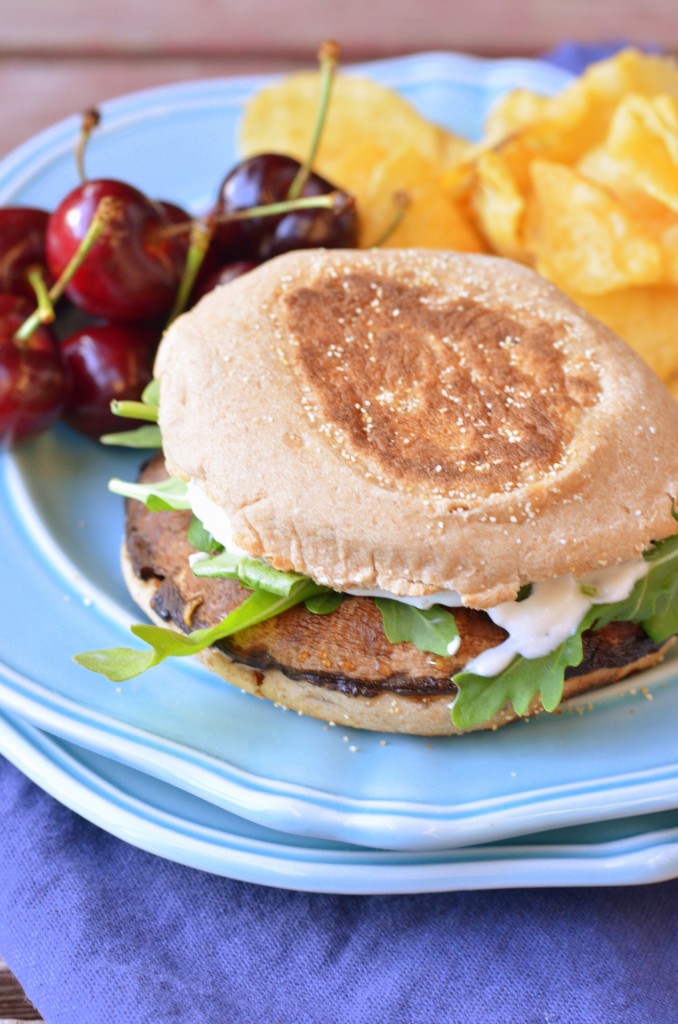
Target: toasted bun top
[(417, 421)]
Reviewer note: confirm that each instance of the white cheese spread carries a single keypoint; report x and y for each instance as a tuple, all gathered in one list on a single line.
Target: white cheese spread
[(552, 613)]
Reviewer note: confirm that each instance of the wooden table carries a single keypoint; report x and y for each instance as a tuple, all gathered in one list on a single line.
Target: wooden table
[(59, 59), (13, 1003)]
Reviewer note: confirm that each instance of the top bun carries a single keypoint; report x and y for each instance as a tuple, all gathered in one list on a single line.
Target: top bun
[(417, 421)]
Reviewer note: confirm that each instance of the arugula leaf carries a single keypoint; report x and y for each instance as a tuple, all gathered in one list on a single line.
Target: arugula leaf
[(121, 663), (252, 573), (151, 393), (429, 629), (135, 410), (653, 603), (147, 436), (201, 539), (146, 409), (481, 697), (664, 622), (323, 604), (165, 495)]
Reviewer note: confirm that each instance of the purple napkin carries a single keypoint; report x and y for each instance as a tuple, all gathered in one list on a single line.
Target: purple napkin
[(99, 932), (576, 56), (102, 933)]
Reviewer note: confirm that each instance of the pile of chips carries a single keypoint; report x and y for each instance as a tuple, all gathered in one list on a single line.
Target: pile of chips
[(582, 186)]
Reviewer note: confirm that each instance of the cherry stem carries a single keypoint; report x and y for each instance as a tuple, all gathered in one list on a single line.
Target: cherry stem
[(336, 201), (90, 120), (200, 239), (202, 232), (328, 56), (107, 210), (45, 308), (402, 202)]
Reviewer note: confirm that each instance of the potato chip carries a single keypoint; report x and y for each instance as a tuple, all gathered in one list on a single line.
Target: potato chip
[(647, 319), (512, 113), (282, 119), (584, 238), (431, 221), (586, 107), (567, 125), (499, 196), (659, 221), (453, 149), (352, 168), (643, 137)]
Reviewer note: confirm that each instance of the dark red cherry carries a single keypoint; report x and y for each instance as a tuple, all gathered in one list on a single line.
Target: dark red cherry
[(106, 361), (22, 245), (221, 275), (132, 271), (176, 214), (265, 179), (34, 382)]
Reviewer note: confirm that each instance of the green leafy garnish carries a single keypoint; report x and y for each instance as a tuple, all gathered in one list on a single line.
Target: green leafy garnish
[(201, 539), (151, 393), (147, 436), (165, 495), (323, 604), (252, 573), (146, 409), (653, 603), (121, 663), (135, 410), (481, 697), (430, 629)]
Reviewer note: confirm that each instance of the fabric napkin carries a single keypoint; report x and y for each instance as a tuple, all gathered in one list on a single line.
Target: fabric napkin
[(100, 932), (575, 57)]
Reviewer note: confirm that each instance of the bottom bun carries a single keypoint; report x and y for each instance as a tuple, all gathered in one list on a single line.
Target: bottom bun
[(385, 712)]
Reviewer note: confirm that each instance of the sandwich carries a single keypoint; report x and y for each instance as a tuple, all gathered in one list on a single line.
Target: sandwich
[(409, 491)]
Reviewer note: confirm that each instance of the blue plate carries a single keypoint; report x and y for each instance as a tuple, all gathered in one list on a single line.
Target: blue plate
[(166, 821), (63, 593)]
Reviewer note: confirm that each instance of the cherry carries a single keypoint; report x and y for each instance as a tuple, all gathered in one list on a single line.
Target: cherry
[(210, 259), (201, 250), (106, 361), (22, 245), (207, 282), (268, 178), (175, 214), (133, 269), (271, 178), (34, 383)]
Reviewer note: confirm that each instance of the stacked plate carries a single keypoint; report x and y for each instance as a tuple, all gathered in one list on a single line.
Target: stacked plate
[(182, 765)]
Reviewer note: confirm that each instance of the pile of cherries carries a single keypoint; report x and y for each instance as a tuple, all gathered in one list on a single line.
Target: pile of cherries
[(86, 290)]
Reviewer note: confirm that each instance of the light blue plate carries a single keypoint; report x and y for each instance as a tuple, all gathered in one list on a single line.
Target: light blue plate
[(62, 590), (166, 821)]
